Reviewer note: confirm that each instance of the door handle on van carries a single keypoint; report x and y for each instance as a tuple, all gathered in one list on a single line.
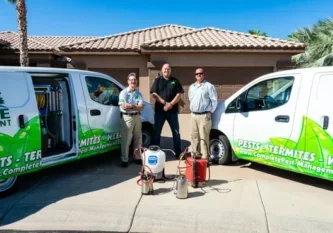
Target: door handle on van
[(282, 118), (325, 123), (21, 121), (95, 112)]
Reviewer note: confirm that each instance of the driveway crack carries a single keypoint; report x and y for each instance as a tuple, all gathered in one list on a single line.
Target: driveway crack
[(24, 195), (134, 213), (263, 205)]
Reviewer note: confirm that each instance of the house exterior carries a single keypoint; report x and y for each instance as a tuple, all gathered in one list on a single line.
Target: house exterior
[(230, 59)]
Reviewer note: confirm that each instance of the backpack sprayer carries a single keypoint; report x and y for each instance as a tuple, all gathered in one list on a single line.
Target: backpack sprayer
[(153, 167), (195, 172)]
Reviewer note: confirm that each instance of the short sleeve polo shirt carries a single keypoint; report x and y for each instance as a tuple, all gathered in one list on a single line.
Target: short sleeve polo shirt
[(167, 89)]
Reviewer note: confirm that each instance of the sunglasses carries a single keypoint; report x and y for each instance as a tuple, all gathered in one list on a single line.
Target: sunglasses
[(198, 73)]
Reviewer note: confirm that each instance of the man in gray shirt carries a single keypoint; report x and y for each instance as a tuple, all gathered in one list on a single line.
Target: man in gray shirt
[(131, 103), (203, 102)]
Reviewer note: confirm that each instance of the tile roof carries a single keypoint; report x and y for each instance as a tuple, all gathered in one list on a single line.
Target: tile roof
[(39, 43), (164, 37), (3, 42), (56, 41), (128, 41), (14, 42), (213, 38)]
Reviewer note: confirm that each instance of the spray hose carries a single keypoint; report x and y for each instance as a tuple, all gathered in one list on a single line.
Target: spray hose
[(144, 167)]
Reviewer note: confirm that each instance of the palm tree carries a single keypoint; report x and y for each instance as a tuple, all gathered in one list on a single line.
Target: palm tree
[(257, 32), (319, 44), (22, 28)]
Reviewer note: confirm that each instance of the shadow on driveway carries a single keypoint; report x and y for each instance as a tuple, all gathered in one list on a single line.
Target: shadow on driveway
[(39, 190)]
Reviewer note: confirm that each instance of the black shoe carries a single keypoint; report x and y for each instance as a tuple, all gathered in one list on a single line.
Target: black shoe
[(124, 164)]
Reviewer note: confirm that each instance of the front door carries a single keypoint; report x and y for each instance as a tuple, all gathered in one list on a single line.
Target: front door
[(263, 128), (103, 134), (20, 134)]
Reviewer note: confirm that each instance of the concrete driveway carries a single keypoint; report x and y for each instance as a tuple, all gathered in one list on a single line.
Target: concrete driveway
[(97, 195)]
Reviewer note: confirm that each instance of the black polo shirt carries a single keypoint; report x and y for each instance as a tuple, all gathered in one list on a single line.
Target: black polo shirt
[(167, 89)]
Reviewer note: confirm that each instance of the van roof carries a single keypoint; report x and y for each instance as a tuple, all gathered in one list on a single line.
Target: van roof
[(57, 70), (310, 69), (45, 69)]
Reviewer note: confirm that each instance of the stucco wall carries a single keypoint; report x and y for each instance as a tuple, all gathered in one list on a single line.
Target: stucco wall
[(221, 59), (119, 61)]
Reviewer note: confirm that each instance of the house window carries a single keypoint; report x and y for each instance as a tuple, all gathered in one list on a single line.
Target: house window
[(103, 91)]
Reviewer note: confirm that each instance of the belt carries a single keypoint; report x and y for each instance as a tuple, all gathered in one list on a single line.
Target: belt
[(130, 113), (200, 113)]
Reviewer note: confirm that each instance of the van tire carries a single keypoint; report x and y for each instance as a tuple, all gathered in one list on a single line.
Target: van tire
[(8, 186), (220, 150), (147, 134)]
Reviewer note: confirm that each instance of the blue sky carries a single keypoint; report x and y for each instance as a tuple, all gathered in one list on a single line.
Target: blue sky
[(278, 18)]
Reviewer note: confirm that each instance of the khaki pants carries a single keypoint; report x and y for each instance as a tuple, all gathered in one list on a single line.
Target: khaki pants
[(200, 129), (130, 128)]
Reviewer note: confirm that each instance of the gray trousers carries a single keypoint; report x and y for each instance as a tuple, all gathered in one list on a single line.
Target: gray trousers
[(130, 128)]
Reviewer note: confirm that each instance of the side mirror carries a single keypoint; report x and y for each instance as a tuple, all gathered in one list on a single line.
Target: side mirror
[(114, 100), (239, 104)]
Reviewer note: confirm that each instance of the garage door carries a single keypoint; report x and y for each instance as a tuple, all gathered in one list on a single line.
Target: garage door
[(226, 80), (117, 73)]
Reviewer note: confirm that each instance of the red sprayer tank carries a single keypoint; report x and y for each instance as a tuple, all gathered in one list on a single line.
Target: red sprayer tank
[(196, 170)]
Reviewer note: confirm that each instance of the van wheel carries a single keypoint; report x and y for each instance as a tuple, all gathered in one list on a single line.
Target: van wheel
[(7, 185), (220, 150), (147, 134)]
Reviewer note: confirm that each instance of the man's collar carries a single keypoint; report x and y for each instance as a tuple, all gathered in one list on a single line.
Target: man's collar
[(129, 89), (202, 83)]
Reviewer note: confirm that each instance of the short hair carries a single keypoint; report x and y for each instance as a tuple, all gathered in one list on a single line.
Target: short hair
[(131, 74)]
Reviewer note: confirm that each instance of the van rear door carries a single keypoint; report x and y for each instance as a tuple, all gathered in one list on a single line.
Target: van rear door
[(20, 134), (318, 126)]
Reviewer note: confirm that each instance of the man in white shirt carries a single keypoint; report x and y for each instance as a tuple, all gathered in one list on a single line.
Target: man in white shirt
[(131, 103), (203, 102)]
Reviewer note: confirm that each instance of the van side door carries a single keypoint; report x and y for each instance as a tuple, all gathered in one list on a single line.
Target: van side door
[(264, 125), (101, 96), (318, 127), (20, 133)]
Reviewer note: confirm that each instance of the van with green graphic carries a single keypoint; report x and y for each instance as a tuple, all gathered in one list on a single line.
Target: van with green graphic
[(51, 116), (282, 119)]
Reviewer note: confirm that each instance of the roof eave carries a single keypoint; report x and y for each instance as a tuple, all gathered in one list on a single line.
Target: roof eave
[(17, 51), (99, 52), (222, 50)]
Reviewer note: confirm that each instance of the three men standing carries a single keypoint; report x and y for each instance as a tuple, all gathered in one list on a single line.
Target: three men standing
[(131, 103), (167, 91), (203, 102)]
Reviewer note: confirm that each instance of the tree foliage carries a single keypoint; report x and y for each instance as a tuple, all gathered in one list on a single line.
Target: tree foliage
[(319, 44)]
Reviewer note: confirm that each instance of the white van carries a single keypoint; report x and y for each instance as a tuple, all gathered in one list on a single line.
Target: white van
[(282, 119), (50, 116)]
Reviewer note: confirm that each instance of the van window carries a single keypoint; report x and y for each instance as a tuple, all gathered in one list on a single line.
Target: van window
[(14, 84), (102, 91), (269, 94)]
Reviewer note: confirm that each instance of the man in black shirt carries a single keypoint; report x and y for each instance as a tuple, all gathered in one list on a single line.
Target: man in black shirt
[(167, 90)]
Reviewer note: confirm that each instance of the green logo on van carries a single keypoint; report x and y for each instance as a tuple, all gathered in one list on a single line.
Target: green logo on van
[(4, 114)]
